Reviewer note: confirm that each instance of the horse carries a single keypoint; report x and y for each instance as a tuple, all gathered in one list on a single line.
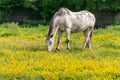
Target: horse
[(69, 21)]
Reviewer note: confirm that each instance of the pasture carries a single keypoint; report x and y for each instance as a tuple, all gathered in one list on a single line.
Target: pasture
[(23, 55)]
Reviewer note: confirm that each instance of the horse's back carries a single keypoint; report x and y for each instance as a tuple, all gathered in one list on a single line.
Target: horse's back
[(82, 20), (84, 16), (77, 21)]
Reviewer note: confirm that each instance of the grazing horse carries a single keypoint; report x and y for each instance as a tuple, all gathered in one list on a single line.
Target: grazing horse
[(68, 21)]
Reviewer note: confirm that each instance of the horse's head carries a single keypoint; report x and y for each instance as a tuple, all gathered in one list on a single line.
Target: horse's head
[(49, 42)]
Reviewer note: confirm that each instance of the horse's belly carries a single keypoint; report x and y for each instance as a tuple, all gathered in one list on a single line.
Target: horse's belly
[(77, 28)]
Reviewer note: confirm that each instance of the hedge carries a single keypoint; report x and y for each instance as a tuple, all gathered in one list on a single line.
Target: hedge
[(46, 8)]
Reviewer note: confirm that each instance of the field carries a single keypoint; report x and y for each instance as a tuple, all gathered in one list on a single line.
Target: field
[(23, 55)]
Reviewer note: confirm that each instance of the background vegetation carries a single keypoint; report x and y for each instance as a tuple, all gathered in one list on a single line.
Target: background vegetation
[(23, 55), (46, 8)]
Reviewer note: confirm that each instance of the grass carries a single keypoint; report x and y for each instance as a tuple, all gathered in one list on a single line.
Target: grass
[(23, 55)]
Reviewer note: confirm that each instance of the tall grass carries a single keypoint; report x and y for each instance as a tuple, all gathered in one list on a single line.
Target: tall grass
[(23, 55)]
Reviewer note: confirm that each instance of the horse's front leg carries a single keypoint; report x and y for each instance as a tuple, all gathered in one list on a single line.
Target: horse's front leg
[(68, 39), (59, 40)]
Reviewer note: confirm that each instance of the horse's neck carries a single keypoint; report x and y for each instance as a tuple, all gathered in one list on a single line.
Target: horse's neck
[(53, 30)]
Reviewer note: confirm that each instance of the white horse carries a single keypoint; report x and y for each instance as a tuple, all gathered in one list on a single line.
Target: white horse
[(68, 21)]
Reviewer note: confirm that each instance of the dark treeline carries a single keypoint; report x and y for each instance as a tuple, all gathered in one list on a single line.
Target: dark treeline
[(46, 8)]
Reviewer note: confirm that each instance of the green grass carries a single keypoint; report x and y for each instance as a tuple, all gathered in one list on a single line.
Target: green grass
[(23, 55)]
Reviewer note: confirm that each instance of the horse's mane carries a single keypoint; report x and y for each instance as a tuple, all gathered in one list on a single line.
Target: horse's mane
[(60, 12)]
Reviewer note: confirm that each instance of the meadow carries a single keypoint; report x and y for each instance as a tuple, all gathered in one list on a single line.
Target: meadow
[(23, 55)]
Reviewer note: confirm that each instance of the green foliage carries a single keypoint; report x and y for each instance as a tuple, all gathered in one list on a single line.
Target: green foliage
[(31, 23), (1, 16), (46, 8), (9, 29)]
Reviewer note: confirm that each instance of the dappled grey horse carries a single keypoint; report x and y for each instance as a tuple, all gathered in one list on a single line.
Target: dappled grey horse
[(68, 21)]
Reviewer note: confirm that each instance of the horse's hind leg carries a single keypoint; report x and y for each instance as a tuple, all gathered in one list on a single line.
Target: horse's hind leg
[(59, 40), (89, 42), (88, 35)]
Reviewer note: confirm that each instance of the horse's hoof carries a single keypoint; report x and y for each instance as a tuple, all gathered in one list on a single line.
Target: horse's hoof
[(57, 50), (67, 51)]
